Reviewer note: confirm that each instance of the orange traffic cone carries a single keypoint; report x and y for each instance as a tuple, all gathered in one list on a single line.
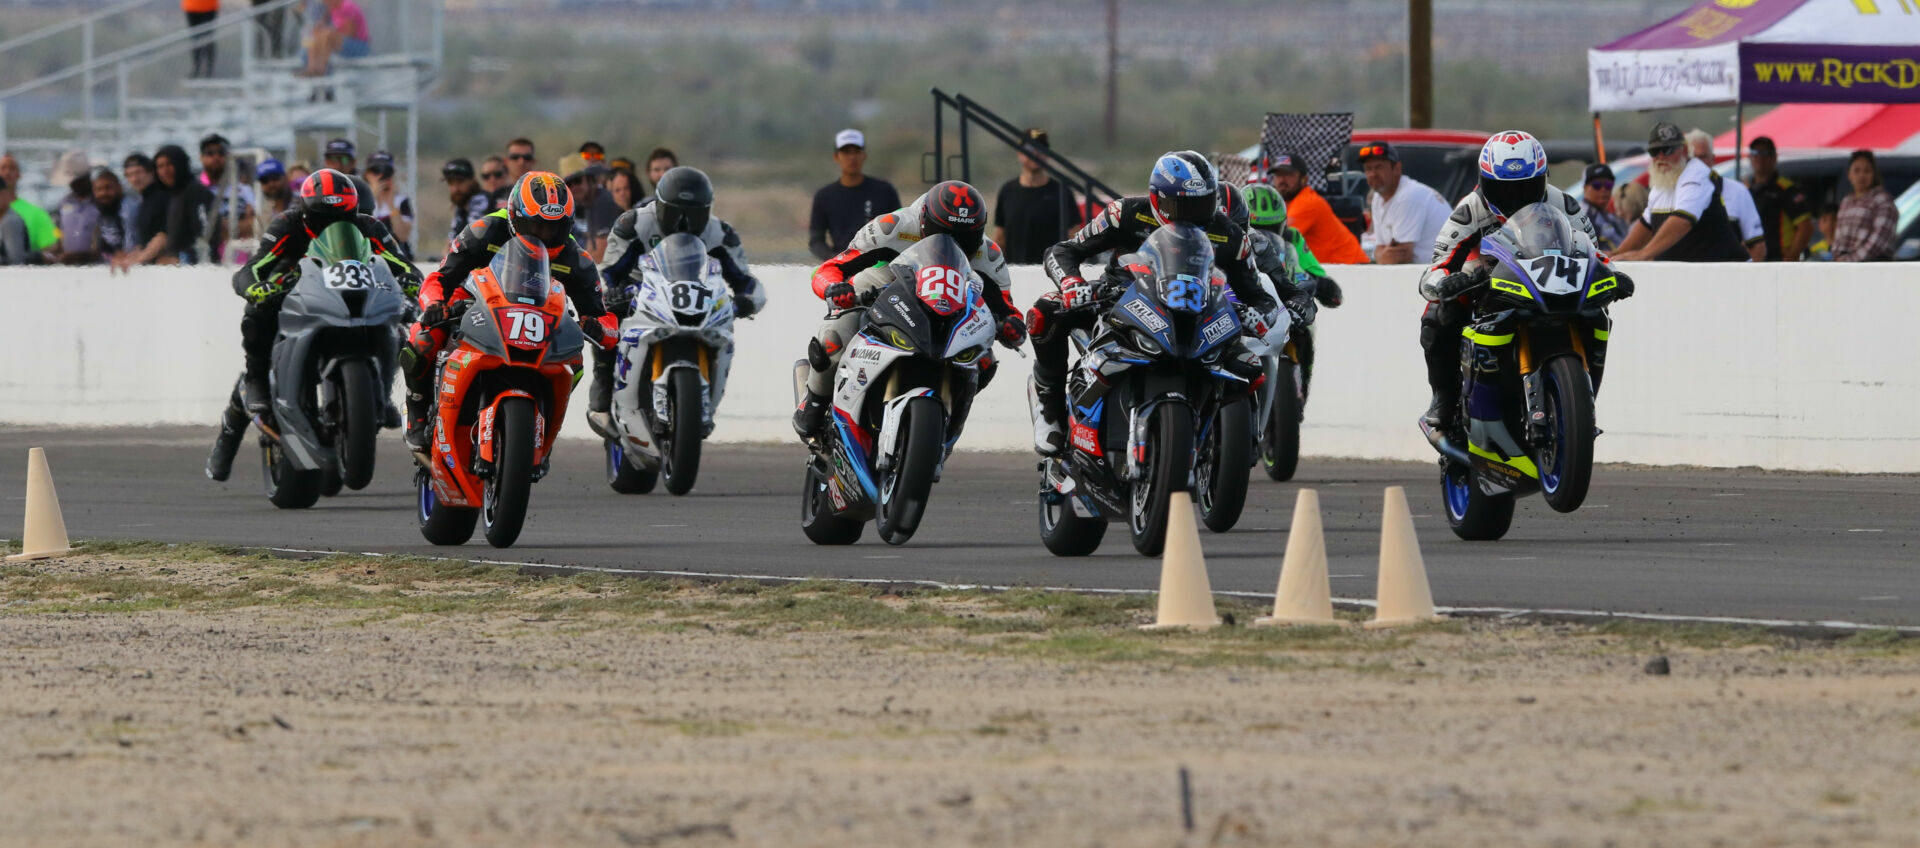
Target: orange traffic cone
[(1186, 597), (45, 532), (1404, 596), (1305, 595)]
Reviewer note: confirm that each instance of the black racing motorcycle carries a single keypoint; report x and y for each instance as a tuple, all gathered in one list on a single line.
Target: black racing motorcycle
[(1525, 421), (1152, 408)]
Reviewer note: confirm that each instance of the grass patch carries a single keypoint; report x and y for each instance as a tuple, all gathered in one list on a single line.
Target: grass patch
[(1688, 634)]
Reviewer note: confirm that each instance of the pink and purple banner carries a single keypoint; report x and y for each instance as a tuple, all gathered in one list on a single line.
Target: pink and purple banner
[(1829, 73)]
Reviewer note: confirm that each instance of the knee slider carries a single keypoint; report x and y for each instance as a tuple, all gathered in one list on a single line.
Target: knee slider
[(817, 356)]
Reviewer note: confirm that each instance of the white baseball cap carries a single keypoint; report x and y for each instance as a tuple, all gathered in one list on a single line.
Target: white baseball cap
[(849, 137)]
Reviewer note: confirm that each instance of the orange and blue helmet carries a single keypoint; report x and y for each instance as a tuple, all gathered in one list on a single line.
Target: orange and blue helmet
[(541, 208)]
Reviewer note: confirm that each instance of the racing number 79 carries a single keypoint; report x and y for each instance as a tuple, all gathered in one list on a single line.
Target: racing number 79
[(526, 327)]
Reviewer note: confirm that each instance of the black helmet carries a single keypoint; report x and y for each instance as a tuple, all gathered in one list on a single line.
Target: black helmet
[(1234, 204), (685, 197), (328, 196), (955, 209)]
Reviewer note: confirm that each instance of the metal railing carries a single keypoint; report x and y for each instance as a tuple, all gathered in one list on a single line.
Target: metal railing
[(971, 114)]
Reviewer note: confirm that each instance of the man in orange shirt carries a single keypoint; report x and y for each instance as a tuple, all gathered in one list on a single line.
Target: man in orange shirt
[(200, 13), (1331, 242)]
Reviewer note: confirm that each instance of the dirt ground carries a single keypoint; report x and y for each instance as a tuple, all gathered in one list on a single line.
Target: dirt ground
[(172, 696)]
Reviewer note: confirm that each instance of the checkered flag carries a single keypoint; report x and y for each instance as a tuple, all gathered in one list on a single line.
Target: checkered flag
[(1232, 168), (1316, 138)]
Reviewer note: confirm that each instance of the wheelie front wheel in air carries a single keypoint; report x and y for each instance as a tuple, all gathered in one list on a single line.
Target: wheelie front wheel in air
[(1220, 482), (908, 483), (1169, 454), (1566, 461), (441, 524), (1474, 515), (503, 508), (289, 487), (680, 447), (361, 410), (622, 477), (1280, 433), (816, 512)]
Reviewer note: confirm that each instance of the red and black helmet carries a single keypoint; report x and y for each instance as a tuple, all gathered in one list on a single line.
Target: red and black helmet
[(328, 196), (955, 209), (541, 208)]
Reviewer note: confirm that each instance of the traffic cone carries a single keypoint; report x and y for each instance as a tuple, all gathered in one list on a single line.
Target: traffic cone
[(1304, 596), (1404, 596), (45, 532), (1186, 597)]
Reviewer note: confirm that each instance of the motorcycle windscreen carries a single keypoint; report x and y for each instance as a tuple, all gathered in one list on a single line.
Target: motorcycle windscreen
[(1179, 258), (1541, 230), (524, 275), (341, 241), (680, 258)]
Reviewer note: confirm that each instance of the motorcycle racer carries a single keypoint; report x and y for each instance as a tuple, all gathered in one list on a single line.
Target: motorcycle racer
[(952, 208), (682, 203), (326, 198), (1513, 176), (1267, 217), (539, 211), (1181, 188)]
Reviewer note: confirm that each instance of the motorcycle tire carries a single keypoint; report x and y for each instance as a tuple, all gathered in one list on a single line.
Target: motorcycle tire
[(1566, 463), (503, 508), (360, 414), (622, 477), (1280, 433), (907, 485), (1472, 514), (289, 487), (330, 482), (441, 524), (680, 447), (816, 513), (1064, 532), (1221, 482), (1169, 453)]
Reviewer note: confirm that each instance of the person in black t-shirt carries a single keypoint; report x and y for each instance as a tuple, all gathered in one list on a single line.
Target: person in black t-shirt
[(842, 207), (1786, 213), (1033, 209)]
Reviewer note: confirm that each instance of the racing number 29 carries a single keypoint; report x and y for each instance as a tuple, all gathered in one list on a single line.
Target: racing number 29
[(939, 283)]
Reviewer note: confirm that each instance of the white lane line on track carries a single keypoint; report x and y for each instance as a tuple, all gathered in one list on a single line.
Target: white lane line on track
[(882, 556), (1866, 530), (1728, 495), (1716, 544), (669, 525), (1338, 576), (1506, 612), (139, 525), (1881, 598), (1516, 559)]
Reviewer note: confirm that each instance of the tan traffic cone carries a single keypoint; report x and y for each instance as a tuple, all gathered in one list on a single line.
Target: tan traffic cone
[(1186, 597), (45, 533), (1305, 595), (1404, 596)]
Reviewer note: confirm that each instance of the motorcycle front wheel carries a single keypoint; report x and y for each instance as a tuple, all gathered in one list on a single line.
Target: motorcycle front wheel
[(360, 413), (1220, 482), (504, 500), (1280, 433), (909, 482), (1566, 461), (680, 446), (1169, 453)]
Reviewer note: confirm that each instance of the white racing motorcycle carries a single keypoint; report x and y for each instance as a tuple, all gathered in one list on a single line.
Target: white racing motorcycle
[(671, 368)]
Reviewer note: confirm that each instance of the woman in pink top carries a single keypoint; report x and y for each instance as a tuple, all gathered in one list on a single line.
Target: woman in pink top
[(343, 32)]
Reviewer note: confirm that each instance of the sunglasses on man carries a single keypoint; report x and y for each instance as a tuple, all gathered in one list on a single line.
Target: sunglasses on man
[(1663, 151), (493, 175), (1603, 185), (520, 157)]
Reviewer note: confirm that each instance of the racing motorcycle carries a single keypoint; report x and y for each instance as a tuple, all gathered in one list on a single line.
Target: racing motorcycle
[(340, 329), (680, 336), (900, 397), (1279, 404), (1152, 408), (1525, 422), (502, 386)]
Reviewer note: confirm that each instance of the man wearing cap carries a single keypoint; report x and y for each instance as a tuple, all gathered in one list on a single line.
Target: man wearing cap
[(470, 203), (845, 205), (339, 155), (593, 208), (1596, 199), (1685, 220), (116, 231), (1331, 242), (275, 191), (1034, 211), (233, 203), (1404, 213), (1734, 195), (1786, 215)]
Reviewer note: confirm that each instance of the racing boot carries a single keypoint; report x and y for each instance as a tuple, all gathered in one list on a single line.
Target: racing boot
[(418, 423), (233, 428), (1443, 378), (1048, 404), (810, 420), (258, 392), (600, 395)]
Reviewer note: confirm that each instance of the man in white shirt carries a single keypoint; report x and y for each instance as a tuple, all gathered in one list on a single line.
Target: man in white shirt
[(1406, 214), (1684, 220), (1735, 196)]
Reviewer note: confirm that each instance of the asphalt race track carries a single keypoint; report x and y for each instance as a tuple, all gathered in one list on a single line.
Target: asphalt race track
[(1683, 542)]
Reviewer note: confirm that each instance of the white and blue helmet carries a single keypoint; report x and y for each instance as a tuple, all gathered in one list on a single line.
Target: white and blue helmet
[(1513, 172), (1183, 188)]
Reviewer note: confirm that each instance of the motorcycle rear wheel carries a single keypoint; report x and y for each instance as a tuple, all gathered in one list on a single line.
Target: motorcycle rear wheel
[(440, 524), (680, 448), (1566, 462), (816, 512), (909, 482), (1169, 453), (1221, 481), (622, 477), (1472, 514), (289, 487), (1064, 532), (1280, 433), (503, 510)]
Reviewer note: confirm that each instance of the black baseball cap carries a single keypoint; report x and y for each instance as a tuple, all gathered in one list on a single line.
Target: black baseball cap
[(457, 169), (338, 147), (1664, 136), (1038, 137), (1378, 150), (1597, 171), (1762, 144), (212, 140), (1285, 162)]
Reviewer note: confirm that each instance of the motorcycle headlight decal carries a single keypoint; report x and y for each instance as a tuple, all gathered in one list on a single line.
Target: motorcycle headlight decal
[(899, 339)]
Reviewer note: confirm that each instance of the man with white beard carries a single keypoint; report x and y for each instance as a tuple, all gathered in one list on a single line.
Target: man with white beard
[(1685, 220), (1735, 196)]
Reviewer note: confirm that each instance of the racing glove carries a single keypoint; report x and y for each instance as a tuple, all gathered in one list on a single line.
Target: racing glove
[(1459, 283), (1013, 331), (1075, 293), (434, 314), (1327, 292), (603, 331), (263, 291), (841, 295), (1301, 305)]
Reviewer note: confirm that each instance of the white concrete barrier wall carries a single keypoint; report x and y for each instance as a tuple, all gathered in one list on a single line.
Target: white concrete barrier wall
[(1803, 367)]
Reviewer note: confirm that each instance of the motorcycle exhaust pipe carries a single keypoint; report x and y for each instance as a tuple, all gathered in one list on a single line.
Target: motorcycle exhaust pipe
[(1438, 439)]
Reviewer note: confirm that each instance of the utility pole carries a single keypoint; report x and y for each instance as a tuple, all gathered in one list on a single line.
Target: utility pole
[(1112, 125), (1420, 64)]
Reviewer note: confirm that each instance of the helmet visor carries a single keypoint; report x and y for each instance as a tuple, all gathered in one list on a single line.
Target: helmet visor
[(1508, 197), (547, 231), (675, 218), (1188, 210)]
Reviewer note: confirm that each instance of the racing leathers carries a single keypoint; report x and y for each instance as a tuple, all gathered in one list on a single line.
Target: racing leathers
[(419, 358), (634, 233), (852, 278), (1119, 230), (1448, 311)]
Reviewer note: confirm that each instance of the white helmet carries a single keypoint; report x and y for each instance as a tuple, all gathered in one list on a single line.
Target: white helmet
[(1513, 172)]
